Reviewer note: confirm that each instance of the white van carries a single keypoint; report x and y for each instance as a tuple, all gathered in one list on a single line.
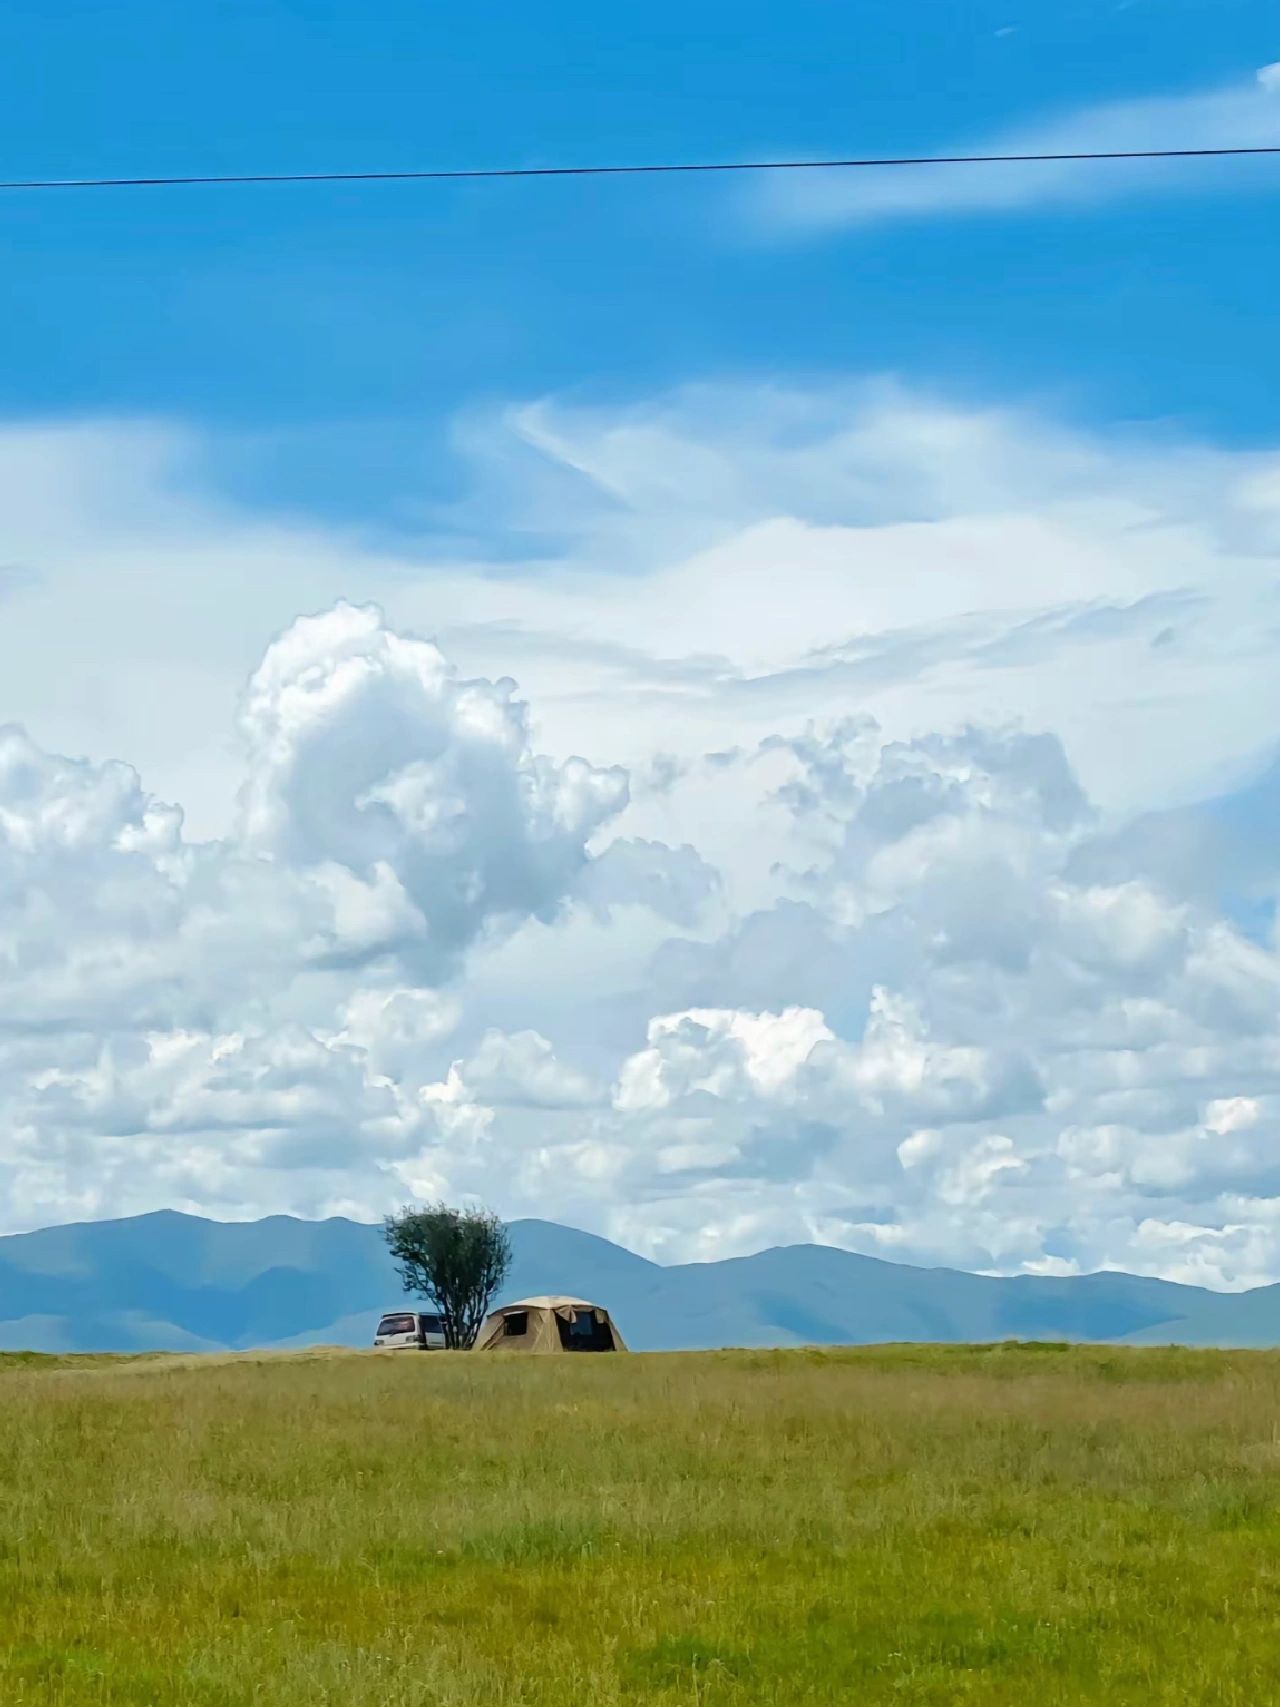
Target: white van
[(410, 1330)]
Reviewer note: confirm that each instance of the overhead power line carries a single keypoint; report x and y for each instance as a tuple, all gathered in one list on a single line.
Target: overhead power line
[(637, 169)]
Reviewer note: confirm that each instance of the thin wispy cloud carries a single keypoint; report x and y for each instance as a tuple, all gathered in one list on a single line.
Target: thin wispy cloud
[(1245, 114)]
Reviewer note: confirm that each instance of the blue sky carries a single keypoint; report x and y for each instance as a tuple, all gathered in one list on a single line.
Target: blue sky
[(337, 329), (721, 711)]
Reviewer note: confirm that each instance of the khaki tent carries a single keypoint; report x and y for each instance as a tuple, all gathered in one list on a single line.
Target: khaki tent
[(549, 1324)]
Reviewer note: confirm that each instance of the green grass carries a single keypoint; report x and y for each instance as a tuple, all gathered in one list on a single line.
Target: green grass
[(1016, 1525)]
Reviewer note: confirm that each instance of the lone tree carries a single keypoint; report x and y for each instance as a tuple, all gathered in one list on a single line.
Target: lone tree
[(455, 1258)]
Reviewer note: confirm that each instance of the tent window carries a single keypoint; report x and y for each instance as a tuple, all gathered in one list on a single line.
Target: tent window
[(585, 1333), (515, 1324)]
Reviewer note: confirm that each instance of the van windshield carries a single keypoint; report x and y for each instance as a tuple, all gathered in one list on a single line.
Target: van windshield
[(398, 1325)]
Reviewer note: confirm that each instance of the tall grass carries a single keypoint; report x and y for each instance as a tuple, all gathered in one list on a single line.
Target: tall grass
[(909, 1525)]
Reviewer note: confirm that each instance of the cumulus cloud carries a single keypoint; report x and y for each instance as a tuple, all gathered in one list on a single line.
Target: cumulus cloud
[(1235, 115), (674, 882), (994, 1060), (389, 809), (919, 932), (715, 1051), (367, 752), (888, 551), (204, 999)]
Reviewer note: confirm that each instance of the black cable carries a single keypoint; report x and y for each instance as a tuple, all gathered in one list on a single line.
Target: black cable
[(475, 172)]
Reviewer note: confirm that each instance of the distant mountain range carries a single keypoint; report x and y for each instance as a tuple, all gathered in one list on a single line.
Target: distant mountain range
[(179, 1283)]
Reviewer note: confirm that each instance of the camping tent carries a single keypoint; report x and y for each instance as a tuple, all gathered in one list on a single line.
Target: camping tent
[(549, 1324)]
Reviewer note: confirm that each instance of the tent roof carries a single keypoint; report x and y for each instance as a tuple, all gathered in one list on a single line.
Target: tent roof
[(549, 1301)]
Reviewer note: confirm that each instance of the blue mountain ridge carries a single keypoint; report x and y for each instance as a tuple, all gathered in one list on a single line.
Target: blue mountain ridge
[(173, 1282)]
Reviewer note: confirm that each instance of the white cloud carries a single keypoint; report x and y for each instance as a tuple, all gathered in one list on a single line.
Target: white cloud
[(1236, 115), (715, 1051), (367, 752), (1231, 1114), (898, 1072), (389, 809), (888, 552), (521, 1070), (917, 937)]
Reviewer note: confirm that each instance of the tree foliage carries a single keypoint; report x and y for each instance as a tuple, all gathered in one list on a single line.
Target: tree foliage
[(455, 1258)]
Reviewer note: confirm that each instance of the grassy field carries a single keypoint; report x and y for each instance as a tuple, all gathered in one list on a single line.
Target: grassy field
[(891, 1525)]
